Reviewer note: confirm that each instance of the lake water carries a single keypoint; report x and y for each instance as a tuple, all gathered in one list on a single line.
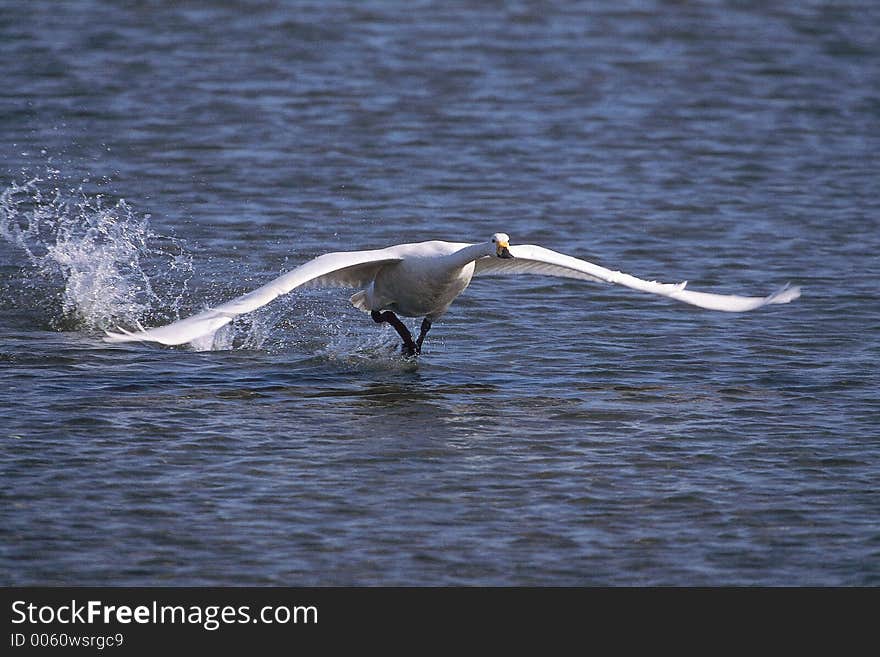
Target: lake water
[(159, 157)]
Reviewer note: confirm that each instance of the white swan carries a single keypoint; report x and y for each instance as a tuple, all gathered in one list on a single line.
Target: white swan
[(422, 280)]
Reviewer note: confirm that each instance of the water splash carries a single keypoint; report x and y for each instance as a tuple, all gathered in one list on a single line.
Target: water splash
[(252, 331), (356, 341), (110, 267)]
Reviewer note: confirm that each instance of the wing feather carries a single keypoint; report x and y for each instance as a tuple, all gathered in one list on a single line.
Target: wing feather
[(343, 269), (530, 259)]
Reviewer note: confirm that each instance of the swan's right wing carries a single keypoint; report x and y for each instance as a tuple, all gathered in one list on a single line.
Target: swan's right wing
[(344, 269), (529, 259)]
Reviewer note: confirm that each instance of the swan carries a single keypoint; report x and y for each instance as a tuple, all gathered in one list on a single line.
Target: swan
[(422, 280)]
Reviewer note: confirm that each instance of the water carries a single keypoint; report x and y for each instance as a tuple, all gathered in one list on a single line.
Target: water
[(159, 158)]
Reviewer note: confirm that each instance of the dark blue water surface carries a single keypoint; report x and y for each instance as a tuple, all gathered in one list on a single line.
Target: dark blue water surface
[(161, 156)]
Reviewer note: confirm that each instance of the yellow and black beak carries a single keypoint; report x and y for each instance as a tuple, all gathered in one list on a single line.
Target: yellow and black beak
[(503, 250)]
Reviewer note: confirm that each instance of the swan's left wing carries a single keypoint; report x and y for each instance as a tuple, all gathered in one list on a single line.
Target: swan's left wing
[(529, 259)]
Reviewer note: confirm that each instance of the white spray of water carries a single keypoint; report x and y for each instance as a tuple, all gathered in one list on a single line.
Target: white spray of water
[(112, 267), (247, 332)]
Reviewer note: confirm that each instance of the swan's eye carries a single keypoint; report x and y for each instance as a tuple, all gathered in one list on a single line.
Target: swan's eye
[(493, 239)]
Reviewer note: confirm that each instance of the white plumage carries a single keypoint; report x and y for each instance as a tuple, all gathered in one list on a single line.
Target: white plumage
[(423, 279)]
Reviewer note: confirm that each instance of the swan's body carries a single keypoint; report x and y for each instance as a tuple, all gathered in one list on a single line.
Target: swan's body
[(426, 280), (423, 279)]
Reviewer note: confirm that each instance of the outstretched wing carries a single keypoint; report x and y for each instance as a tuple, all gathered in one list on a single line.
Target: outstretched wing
[(529, 259), (344, 269)]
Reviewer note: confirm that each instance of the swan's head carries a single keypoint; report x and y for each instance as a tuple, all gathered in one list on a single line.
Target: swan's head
[(501, 242)]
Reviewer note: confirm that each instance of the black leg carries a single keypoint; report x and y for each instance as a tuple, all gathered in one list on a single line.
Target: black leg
[(426, 326), (410, 348)]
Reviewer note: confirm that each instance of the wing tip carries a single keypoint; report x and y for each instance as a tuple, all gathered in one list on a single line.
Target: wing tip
[(122, 336), (786, 294)]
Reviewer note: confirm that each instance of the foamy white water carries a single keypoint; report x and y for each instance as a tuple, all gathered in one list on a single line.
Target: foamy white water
[(110, 267)]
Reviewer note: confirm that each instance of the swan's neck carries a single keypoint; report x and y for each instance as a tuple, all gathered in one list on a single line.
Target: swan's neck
[(470, 253)]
